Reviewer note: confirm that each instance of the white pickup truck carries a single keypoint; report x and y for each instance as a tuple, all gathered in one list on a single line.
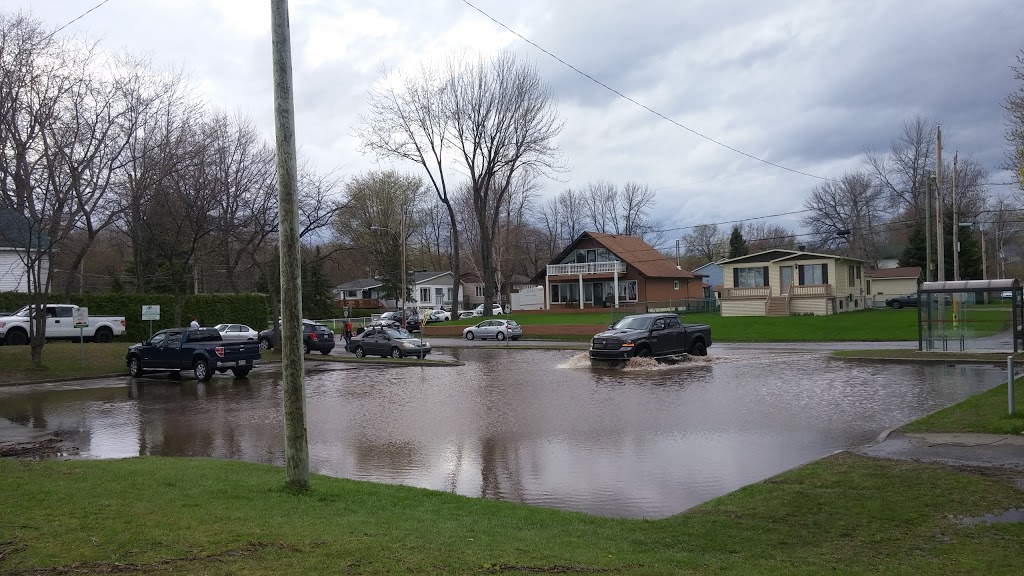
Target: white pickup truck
[(60, 324)]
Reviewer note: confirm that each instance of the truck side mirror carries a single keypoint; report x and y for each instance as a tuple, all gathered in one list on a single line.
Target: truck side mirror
[(611, 325)]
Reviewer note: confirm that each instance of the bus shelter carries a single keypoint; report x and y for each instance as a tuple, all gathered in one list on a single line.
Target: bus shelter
[(969, 315)]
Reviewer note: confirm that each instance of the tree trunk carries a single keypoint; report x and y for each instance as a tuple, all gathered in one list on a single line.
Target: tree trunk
[(456, 261)]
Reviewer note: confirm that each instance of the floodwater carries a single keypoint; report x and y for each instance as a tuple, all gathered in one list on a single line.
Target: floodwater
[(536, 426)]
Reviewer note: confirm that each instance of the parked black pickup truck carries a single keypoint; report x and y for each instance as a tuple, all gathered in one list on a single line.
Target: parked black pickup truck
[(650, 336), (201, 350)]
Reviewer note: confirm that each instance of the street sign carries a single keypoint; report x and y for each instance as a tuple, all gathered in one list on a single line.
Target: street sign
[(81, 317), (150, 312)]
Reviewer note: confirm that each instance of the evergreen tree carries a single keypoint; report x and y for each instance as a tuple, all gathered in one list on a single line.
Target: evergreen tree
[(915, 253), (737, 244), (317, 298)]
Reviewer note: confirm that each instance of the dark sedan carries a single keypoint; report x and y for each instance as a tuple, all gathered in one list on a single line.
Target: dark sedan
[(315, 338), (386, 342), (912, 301)]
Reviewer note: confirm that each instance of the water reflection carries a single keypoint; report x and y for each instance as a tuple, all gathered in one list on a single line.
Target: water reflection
[(536, 426)]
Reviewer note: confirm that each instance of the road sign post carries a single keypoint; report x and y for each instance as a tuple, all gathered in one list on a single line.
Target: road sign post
[(81, 319), (151, 313)]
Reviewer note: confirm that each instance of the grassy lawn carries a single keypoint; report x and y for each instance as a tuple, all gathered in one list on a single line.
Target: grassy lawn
[(62, 360), (847, 513), (986, 412)]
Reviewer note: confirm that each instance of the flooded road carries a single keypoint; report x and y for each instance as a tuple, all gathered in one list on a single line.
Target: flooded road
[(535, 426)]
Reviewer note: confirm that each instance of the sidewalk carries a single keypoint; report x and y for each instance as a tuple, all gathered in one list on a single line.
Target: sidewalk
[(954, 449)]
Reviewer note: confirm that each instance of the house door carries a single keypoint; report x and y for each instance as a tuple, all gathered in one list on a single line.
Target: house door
[(598, 294), (438, 297), (787, 278)]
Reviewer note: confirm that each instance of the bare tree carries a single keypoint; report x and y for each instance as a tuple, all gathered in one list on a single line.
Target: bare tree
[(706, 242), (504, 123), (844, 213), (408, 119), (903, 171), (601, 201), (637, 202), (761, 236), (1014, 107)]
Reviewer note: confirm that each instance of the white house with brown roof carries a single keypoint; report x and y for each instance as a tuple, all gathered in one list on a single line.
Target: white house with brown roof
[(887, 283), (613, 270), (782, 282)]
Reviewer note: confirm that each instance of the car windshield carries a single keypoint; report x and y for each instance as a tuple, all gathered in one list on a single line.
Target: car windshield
[(399, 334), (633, 323), (22, 312), (221, 327)]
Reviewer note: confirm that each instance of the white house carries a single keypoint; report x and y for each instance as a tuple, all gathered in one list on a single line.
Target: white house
[(14, 274), (434, 290)]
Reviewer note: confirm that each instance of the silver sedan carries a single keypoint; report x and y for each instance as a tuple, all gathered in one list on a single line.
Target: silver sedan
[(497, 329), (237, 332)]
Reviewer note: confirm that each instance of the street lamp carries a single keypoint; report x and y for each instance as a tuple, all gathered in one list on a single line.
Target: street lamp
[(402, 233)]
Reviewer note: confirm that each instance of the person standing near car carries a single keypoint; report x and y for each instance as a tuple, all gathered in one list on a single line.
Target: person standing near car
[(194, 324), (348, 333)]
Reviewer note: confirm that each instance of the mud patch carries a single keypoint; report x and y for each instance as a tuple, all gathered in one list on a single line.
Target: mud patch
[(51, 446)]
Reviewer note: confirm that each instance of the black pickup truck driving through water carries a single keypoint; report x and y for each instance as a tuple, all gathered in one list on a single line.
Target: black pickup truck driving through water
[(201, 350), (650, 336)]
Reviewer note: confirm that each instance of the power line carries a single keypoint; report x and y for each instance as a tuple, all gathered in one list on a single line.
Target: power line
[(730, 221), (644, 106), (80, 16)]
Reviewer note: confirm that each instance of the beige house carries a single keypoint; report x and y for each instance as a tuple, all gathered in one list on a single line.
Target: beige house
[(887, 283), (783, 282)]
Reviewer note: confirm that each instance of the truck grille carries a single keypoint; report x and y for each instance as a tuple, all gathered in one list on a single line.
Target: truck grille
[(606, 344)]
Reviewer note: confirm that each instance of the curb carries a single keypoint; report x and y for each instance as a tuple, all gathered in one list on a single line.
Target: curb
[(62, 380)]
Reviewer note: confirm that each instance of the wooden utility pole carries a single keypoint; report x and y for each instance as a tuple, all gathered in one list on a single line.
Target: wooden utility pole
[(928, 183), (940, 248), (956, 226), (296, 448)]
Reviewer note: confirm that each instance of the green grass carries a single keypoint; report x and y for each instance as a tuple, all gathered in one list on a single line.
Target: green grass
[(62, 360), (987, 412), (847, 514)]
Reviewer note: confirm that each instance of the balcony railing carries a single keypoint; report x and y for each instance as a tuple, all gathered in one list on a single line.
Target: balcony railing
[(737, 293), (811, 290), (586, 268)]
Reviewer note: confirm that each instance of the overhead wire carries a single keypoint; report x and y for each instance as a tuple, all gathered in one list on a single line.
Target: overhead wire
[(79, 17), (641, 105)]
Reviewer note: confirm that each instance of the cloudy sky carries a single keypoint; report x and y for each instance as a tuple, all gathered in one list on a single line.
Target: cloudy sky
[(808, 85)]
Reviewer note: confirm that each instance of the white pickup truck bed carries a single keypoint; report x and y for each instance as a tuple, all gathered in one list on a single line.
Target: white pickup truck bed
[(60, 324)]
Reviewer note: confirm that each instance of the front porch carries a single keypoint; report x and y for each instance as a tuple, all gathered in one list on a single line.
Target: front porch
[(588, 285), (761, 301)]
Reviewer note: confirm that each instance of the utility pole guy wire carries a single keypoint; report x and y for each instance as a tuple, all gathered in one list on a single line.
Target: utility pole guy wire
[(296, 448)]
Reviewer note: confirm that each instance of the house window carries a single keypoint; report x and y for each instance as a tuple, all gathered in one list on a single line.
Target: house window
[(480, 291), (675, 284), (351, 294), (852, 274), (555, 293), (750, 277), (424, 294), (449, 295), (627, 291), (591, 255), (858, 272), (811, 274)]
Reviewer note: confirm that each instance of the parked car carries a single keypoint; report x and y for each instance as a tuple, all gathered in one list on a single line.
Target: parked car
[(652, 336), (497, 329), (439, 316), (388, 342), (315, 338), (60, 325), (496, 310), (202, 350), (237, 332), (414, 323), (466, 314), (382, 324), (912, 301)]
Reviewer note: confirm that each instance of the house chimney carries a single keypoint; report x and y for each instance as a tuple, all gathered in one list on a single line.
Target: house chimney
[(802, 247)]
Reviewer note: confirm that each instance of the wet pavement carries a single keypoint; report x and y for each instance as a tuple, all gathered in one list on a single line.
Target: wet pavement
[(954, 449), (534, 426)]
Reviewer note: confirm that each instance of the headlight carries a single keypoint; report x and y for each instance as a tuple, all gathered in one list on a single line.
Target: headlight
[(409, 344), (628, 344)]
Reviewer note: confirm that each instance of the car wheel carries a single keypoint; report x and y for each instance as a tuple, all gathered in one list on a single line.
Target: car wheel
[(240, 372), (264, 344), (642, 352), (104, 336), (202, 370), (500, 336), (325, 352), (469, 335), (396, 353), (698, 349), (359, 352), (17, 338), (897, 305), (305, 348), (135, 367)]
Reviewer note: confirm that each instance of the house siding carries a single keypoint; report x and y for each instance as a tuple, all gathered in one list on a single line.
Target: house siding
[(13, 275), (884, 288), (750, 307), (816, 306)]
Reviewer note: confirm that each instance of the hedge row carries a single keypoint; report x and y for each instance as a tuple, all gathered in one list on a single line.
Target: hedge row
[(209, 309)]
